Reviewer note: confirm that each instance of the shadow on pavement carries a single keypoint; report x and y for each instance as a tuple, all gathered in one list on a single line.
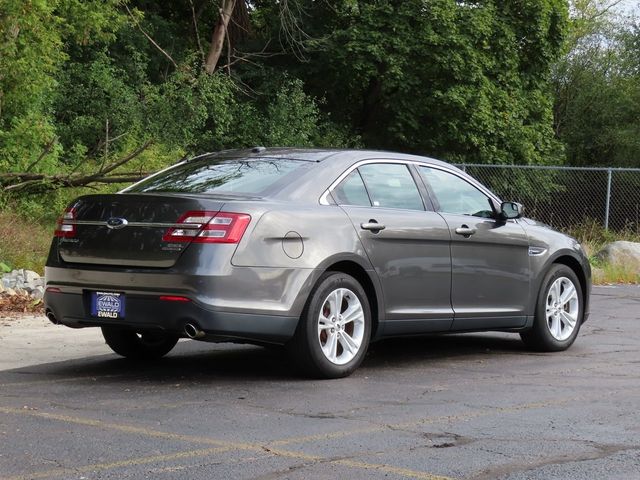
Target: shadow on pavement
[(197, 361)]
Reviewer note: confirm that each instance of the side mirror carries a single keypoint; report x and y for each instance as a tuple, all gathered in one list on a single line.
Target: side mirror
[(510, 210)]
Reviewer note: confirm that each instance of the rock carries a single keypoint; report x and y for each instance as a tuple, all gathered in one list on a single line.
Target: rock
[(621, 253), (30, 277), (38, 293), (19, 275), (22, 283)]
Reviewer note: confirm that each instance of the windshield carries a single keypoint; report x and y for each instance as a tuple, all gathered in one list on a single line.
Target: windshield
[(241, 176)]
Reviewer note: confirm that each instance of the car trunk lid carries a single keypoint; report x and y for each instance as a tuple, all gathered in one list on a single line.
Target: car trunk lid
[(129, 230)]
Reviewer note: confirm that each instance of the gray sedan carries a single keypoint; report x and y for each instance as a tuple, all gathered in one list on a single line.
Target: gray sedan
[(322, 251)]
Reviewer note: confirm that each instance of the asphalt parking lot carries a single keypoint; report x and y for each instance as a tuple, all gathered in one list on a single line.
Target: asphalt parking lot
[(451, 407)]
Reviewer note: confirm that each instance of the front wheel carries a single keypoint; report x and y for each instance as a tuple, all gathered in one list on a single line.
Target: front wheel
[(559, 311), (143, 345), (334, 330)]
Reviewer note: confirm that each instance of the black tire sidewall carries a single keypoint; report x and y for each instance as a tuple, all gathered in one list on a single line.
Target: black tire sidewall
[(319, 364), (125, 342), (546, 340)]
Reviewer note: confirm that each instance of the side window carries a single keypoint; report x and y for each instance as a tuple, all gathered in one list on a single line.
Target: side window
[(351, 191), (455, 195), (391, 185)]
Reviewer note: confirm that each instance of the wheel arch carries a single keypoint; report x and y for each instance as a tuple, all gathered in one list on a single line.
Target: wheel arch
[(574, 265), (577, 267), (359, 268), (364, 278)]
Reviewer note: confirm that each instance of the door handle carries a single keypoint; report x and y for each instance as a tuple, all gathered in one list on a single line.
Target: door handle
[(465, 231), (373, 226)]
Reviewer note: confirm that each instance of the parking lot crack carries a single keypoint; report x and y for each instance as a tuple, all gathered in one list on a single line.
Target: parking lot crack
[(600, 451)]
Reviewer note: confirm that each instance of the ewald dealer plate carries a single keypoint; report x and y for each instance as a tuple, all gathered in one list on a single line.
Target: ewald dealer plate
[(107, 304)]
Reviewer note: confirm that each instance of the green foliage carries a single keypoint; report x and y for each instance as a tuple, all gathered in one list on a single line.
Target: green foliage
[(597, 89), (30, 54), (33, 37), (462, 81), (85, 83)]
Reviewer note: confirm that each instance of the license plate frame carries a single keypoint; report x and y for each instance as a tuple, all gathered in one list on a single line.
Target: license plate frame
[(108, 305)]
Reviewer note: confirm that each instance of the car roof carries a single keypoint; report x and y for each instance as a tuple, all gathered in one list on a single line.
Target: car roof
[(317, 154), (324, 165)]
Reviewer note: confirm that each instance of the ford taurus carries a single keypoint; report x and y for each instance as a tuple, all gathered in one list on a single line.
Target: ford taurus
[(322, 251)]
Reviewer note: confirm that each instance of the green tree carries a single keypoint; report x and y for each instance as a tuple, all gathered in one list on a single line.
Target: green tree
[(33, 34), (597, 88), (461, 80), (113, 89)]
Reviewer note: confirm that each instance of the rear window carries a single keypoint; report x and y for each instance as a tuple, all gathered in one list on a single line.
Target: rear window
[(242, 176)]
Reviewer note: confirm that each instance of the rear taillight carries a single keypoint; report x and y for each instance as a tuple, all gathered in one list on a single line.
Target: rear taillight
[(208, 227), (65, 228)]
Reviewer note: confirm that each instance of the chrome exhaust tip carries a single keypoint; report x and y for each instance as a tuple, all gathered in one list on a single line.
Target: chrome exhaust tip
[(52, 318), (192, 331)]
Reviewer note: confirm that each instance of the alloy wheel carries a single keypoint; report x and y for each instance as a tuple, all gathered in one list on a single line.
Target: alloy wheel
[(562, 308), (341, 326)]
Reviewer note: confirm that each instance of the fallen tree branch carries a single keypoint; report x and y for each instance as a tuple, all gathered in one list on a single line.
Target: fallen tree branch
[(25, 181), (125, 159)]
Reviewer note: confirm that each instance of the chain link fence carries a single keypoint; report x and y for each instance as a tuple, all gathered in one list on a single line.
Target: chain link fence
[(565, 197)]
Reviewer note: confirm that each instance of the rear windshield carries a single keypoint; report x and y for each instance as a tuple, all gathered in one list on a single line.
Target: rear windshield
[(241, 176)]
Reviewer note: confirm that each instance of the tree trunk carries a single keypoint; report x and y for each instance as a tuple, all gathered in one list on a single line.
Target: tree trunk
[(219, 34)]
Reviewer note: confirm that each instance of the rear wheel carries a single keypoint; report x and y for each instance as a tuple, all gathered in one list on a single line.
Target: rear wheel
[(558, 312), (333, 334), (143, 345)]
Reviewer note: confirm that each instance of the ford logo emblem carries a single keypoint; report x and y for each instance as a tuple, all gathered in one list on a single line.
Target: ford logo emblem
[(115, 223)]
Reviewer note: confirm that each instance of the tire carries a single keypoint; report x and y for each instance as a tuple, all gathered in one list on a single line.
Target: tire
[(559, 312), (143, 345), (331, 342)]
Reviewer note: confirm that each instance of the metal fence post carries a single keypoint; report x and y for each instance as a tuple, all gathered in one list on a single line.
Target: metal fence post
[(606, 213)]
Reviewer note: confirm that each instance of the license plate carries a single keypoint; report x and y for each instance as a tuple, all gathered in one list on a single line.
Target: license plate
[(107, 304)]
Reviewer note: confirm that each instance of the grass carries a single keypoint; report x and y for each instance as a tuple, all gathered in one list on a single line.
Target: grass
[(593, 238), (610, 274), (25, 244)]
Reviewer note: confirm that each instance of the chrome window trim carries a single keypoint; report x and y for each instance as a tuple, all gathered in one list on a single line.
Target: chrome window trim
[(324, 197)]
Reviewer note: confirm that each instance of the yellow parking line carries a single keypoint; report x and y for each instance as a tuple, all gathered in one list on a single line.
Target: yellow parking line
[(222, 446), (403, 472), (228, 445), (129, 429), (57, 472)]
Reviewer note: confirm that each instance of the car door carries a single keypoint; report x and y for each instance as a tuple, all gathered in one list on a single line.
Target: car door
[(407, 244), (489, 257)]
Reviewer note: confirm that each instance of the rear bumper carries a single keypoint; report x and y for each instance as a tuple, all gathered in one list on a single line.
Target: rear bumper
[(149, 312), (243, 303)]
